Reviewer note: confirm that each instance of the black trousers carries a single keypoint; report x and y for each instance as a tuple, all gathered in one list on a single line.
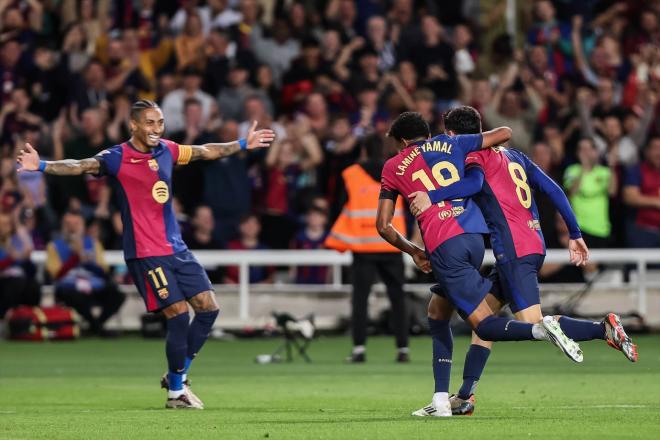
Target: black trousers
[(15, 291), (110, 299), (389, 266)]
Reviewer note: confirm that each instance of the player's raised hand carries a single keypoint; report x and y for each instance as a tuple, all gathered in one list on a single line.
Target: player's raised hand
[(422, 262), (419, 202), (259, 138), (578, 251), (28, 159)]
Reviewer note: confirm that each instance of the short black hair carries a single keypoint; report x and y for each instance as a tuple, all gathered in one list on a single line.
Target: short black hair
[(463, 120), (409, 125), (139, 106)]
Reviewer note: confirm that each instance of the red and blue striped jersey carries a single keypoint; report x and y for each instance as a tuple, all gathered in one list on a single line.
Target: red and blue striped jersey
[(425, 166), (143, 187), (502, 181)]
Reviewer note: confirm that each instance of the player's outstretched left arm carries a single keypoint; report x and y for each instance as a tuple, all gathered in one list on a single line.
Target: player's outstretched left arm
[(255, 139), (384, 216), (29, 160)]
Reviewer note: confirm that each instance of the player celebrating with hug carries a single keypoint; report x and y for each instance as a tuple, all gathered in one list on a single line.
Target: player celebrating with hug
[(501, 181), (166, 273), (453, 237)]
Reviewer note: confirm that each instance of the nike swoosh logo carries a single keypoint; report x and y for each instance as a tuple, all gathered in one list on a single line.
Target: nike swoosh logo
[(136, 160)]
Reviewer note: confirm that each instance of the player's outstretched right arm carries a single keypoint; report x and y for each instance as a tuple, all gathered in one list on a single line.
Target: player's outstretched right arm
[(29, 161)]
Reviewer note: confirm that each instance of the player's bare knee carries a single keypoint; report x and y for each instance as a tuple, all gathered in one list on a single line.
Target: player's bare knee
[(531, 314), (204, 302), (439, 309), (476, 340), (176, 309)]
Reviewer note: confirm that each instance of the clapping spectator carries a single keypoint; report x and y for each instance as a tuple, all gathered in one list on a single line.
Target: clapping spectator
[(17, 283), (77, 267)]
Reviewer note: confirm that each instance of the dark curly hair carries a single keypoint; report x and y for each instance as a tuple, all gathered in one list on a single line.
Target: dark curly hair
[(409, 125), (463, 120)]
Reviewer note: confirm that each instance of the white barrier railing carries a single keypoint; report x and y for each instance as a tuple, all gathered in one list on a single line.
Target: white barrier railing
[(244, 259)]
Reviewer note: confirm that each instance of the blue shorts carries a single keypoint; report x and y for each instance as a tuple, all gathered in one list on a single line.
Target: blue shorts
[(163, 281), (456, 264), (516, 281)]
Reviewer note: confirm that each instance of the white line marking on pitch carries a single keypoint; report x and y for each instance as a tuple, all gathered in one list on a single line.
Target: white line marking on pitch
[(583, 406)]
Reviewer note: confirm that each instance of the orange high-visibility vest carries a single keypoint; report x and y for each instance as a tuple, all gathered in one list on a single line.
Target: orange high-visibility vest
[(355, 228)]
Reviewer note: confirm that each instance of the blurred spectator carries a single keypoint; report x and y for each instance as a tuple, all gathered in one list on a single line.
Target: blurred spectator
[(201, 237), (377, 38), (249, 228), (189, 44), (279, 51), (16, 117), (612, 139), (255, 110), (48, 83), (222, 15), (311, 236), (88, 141), (230, 174), (590, 186), (174, 102), (231, 99), (90, 90), (542, 155), (188, 181), (17, 283), (641, 191), (555, 36), (515, 108), (190, 8), (76, 265), (288, 164)]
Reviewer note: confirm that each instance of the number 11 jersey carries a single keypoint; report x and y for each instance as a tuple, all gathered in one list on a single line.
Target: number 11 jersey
[(430, 164)]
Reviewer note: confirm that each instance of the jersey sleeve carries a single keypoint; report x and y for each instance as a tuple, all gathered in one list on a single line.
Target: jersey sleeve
[(110, 161), (388, 189), (469, 185), (469, 142), (542, 182), (181, 154), (474, 160)]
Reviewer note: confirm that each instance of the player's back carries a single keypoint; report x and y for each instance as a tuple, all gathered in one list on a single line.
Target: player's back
[(507, 203), (427, 165)]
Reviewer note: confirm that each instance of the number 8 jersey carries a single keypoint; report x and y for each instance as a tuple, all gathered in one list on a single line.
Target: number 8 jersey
[(432, 164), (507, 201)]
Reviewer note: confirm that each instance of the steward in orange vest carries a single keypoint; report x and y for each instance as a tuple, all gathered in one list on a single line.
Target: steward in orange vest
[(355, 228)]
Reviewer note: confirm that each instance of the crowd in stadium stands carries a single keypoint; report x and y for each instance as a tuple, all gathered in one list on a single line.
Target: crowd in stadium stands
[(576, 81)]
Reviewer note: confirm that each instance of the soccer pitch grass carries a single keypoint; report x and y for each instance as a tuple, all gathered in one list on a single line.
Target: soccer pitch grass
[(99, 389)]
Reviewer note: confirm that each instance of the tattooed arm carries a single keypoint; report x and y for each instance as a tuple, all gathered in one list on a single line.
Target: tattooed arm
[(255, 139), (29, 161)]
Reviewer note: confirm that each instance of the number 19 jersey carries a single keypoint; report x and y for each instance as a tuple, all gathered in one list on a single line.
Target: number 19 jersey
[(425, 166)]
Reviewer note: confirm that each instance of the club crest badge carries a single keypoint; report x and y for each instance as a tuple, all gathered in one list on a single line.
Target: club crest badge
[(153, 164)]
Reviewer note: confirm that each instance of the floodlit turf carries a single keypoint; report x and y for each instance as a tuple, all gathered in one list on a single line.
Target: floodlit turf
[(97, 389)]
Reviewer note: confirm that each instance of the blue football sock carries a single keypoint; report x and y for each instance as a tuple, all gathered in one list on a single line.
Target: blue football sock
[(581, 329), (475, 361), (494, 328), (200, 328), (443, 346), (176, 346)]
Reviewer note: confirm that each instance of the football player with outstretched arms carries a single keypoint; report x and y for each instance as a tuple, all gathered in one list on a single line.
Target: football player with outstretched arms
[(500, 181), (453, 237), (166, 273)]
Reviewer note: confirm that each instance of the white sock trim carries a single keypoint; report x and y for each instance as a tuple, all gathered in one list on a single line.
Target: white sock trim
[(359, 349), (172, 394), (539, 332)]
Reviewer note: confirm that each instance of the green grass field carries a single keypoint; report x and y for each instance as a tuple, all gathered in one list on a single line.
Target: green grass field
[(97, 389)]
